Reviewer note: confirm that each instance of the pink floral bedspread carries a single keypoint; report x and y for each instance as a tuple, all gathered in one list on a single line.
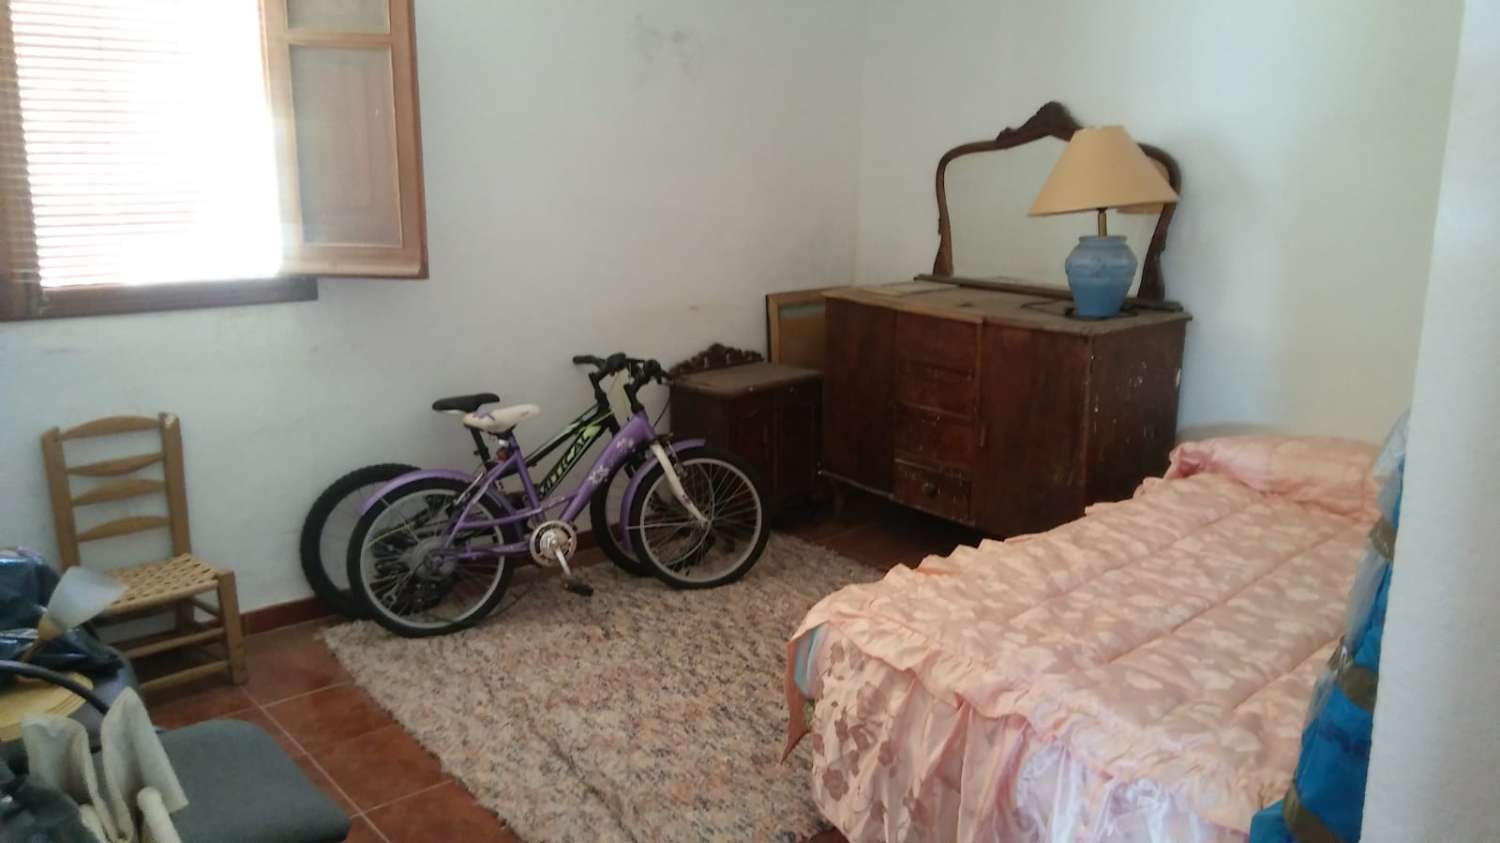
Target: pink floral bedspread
[(1139, 674)]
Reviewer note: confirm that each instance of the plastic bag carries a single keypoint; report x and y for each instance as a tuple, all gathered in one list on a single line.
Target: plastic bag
[(26, 583)]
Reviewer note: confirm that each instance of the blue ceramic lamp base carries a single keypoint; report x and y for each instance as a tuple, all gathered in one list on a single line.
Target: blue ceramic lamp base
[(1100, 270)]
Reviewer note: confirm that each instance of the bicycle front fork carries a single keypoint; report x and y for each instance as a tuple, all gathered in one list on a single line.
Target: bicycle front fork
[(675, 483)]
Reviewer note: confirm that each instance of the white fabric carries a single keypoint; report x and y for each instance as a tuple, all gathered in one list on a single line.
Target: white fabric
[(57, 753), (134, 760), (156, 824), (501, 419), (57, 750)]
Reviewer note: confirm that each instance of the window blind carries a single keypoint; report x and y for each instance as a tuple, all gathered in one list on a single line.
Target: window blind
[(148, 146)]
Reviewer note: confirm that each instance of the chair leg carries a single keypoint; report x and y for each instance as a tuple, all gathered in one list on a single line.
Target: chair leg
[(184, 612), (234, 638)]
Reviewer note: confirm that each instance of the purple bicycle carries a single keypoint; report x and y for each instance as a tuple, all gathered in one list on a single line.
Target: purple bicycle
[(433, 550)]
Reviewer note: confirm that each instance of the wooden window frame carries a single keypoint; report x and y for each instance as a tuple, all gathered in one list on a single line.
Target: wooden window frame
[(304, 262), (409, 260)]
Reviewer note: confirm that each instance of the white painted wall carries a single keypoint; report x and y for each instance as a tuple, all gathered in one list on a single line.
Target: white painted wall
[(1437, 741), (610, 175), (600, 176), (1310, 138)]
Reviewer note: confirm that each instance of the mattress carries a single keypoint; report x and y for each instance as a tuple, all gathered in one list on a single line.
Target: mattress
[(1140, 674)]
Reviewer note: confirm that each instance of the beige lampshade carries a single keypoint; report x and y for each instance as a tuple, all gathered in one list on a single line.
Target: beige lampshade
[(1101, 168)]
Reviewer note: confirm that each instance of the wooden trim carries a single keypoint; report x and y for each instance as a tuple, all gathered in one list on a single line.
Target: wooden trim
[(114, 467), (123, 527), (110, 299), (17, 222), (62, 500), (279, 615), (1053, 120), (1164, 305), (234, 630), (775, 304), (176, 481), (276, 53), (183, 676), (110, 426), (199, 635), (409, 259), (119, 490), (204, 606)]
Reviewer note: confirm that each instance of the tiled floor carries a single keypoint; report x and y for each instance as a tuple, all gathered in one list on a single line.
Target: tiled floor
[(367, 763)]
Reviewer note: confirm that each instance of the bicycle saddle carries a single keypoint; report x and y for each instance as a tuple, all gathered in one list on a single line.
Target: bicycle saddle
[(464, 403), (501, 419)]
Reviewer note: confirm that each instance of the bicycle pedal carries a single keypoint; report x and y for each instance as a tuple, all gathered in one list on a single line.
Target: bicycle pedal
[(578, 587)]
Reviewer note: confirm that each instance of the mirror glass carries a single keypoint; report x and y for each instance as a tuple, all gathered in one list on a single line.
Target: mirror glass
[(989, 194)]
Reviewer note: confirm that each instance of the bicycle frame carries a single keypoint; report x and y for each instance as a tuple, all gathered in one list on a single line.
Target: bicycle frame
[(637, 432)]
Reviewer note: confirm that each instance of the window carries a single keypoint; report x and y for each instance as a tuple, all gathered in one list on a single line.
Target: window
[(158, 153)]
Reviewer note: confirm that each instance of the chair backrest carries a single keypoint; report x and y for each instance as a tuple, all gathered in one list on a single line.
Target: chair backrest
[(116, 483)]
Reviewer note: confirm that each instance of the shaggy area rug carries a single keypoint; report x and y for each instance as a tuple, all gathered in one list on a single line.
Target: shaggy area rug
[(639, 714)]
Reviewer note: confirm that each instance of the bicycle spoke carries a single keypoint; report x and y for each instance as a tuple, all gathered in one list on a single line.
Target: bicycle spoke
[(409, 567)]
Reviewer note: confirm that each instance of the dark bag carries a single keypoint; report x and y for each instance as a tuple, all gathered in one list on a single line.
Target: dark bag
[(26, 584)]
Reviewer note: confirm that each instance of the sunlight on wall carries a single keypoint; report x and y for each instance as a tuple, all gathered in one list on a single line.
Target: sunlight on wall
[(175, 94)]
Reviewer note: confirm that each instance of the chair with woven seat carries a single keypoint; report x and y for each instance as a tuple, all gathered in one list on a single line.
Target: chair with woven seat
[(178, 583)]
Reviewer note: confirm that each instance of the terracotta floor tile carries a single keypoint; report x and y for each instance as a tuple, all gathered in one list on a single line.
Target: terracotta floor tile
[(329, 716), (380, 766), (185, 705), (324, 784), (362, 832), (440, 815), (289, 662)]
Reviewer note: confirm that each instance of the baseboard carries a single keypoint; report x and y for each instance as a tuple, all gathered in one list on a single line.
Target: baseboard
[(277, 615)]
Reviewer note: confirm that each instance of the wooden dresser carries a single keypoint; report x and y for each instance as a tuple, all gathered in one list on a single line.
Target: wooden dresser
[(994, 408)]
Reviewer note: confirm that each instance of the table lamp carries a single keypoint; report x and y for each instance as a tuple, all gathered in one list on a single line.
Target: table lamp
[(1101, 168)]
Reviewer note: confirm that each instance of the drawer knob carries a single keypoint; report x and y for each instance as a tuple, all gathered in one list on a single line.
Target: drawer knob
[(929, 488)]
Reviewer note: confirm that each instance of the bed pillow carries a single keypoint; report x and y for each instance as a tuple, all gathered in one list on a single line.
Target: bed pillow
[(1324, 472)]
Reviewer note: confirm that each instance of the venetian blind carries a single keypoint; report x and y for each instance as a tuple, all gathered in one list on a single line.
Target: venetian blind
[(148, 146)]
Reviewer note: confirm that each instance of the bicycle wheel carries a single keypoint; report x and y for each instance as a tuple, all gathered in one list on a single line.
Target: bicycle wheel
[(325, 533), (683, 553), (602, 506), (407, 580)]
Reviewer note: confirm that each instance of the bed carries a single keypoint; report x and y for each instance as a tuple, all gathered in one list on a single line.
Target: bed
[(1140, 674)]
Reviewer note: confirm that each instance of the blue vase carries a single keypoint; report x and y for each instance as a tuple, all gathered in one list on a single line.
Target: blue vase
[(1100, 270)]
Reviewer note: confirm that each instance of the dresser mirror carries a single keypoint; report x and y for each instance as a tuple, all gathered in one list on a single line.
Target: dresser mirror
[(985, 188)]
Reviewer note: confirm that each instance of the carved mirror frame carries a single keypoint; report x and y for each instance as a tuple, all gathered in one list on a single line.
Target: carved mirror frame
[(1053, 121)]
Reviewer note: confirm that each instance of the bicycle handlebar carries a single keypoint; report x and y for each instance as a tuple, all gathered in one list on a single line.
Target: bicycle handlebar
[(641, 371)]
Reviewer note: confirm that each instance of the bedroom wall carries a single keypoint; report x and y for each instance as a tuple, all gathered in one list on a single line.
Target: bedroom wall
[(1310, 137), (600, 176), (1437, 745)]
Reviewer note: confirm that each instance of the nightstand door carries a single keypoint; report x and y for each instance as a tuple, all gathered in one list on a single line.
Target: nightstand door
[(797, 430), (752, 433)]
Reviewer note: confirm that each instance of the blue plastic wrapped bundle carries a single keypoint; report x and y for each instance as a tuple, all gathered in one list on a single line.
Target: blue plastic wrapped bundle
[(1325, 803)]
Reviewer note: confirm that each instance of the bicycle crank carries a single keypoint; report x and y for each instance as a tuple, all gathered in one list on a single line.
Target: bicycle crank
[(554, 542)]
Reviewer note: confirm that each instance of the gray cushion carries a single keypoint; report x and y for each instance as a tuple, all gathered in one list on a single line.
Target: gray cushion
[(242, 788)]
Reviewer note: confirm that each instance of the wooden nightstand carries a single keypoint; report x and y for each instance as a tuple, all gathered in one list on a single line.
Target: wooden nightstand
[(767, 413)]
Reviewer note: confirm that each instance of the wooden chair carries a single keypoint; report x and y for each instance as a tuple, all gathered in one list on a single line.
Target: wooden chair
[(174, 584)]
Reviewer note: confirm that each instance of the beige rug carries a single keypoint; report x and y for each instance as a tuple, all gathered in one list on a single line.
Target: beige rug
[(640, 714)]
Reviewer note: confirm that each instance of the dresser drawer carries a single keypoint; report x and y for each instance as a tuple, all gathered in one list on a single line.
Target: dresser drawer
[(932, 490), (921, 385), (945, 343), (934, 438)]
